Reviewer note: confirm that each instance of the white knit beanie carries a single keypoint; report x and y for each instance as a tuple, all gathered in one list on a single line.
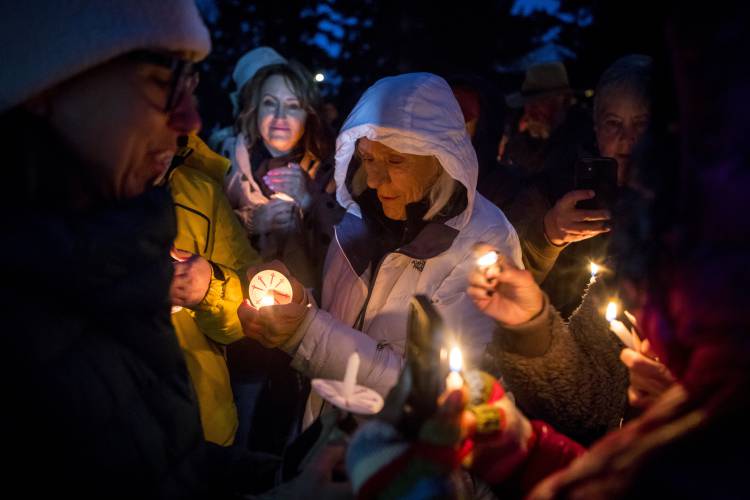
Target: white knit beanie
[(45, 42), (248, 65)]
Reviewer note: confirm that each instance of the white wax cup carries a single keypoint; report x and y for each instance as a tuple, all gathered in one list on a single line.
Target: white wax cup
[(269, 283)]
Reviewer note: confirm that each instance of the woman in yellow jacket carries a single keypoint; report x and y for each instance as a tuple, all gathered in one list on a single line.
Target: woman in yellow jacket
[(212, 254)]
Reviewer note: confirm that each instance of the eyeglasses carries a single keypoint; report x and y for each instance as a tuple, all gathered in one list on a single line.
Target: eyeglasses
[(616, 128), (184, 76)]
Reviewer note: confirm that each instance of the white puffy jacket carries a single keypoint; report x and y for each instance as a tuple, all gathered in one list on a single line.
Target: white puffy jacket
[(417, 114)]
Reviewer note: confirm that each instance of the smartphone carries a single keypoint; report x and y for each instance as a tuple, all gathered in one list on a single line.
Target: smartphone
[(600, 176)]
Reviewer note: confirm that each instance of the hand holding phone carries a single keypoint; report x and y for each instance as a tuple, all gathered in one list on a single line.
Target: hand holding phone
[(598, 175), (567, 223)]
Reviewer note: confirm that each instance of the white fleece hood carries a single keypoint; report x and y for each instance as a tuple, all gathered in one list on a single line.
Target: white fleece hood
[(414, 113)]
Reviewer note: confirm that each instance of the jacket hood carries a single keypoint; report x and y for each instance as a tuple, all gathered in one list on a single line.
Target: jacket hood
[(414, 113)]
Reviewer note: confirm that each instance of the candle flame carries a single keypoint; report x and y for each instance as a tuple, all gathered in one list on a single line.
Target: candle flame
[(267, 300), (611, 313), (594, 269), (456, 361), (487, 259)]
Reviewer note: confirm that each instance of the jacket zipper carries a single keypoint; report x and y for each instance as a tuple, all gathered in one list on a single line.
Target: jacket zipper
[(359, 324), (361, 317)]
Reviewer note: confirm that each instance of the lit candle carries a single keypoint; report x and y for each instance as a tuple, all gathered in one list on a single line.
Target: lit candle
[(487, 260), (594, 267), (611, 313), (266, 300), (454, 380), (350, 376), (618, 327), (268, 288)]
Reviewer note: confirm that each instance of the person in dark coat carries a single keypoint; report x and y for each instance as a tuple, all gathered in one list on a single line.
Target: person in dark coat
[(97, 398), (559, 239)]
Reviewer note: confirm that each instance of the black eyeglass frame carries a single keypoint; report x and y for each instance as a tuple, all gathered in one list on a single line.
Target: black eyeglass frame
[(183, 73)]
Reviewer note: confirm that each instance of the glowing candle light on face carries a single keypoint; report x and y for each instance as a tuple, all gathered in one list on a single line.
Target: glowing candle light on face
[(454, 380)]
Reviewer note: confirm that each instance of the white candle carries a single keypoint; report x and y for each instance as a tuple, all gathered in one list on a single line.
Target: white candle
[(350, 376), (618, 328)]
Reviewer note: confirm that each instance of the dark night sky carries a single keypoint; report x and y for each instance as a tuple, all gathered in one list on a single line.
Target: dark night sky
[(356, 42)]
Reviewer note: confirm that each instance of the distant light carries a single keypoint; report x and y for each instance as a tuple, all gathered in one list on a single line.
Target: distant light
[(319, 77), (589, 93)]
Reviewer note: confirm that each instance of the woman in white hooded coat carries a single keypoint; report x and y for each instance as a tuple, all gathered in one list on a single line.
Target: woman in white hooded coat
[(406, 174)]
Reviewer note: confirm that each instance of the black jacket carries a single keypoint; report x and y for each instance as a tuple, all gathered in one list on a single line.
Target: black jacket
[(97, 399)]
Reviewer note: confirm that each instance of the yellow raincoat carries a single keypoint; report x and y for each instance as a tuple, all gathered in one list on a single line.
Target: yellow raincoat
[(207, 226)]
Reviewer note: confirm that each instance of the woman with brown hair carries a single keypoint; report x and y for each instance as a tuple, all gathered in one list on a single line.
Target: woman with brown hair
[(280, 185), (281, 182)]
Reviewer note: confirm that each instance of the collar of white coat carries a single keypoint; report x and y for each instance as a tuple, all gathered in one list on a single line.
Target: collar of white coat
[(356, 242), (414, 113)]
